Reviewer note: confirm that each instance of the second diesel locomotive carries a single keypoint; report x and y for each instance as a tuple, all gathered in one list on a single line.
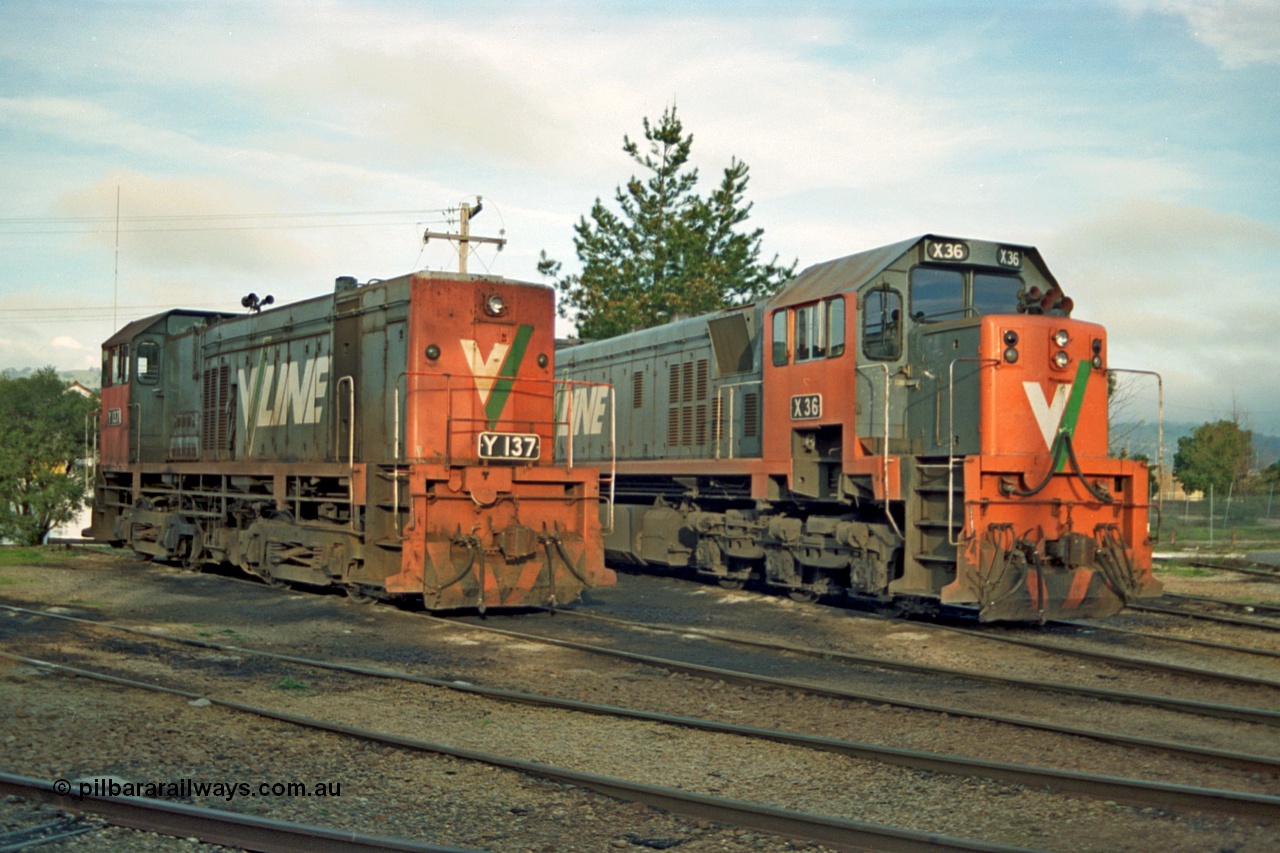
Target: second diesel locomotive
[(921, 424), (392, 439)]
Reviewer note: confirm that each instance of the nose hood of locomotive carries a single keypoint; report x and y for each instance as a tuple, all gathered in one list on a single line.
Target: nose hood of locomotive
[(1049, 376)]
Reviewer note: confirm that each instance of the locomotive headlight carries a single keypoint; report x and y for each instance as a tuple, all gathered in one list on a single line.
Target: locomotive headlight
[(1011, 355), (433, 352), (1061, 338), (1061, 359), (494, 305), (1011, 338), (1097, 362)]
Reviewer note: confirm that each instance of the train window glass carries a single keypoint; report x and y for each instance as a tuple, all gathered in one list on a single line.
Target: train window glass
[(936, 294), (108, 368), (122, 364), (811, 332), (148, 369), (780, 337), (835, 326), (882, 325), (995, 294)]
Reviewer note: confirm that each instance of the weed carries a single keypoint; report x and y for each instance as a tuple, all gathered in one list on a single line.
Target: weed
[(287, 683)]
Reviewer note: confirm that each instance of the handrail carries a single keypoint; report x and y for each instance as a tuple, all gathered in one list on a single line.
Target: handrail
[(952, 539), (720, 408), (1159, 433), (885, 450), (555, 424), (351, 443)]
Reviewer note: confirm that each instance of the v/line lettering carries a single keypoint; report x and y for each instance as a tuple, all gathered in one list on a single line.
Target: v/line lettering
[(293, 393), (587, 405)]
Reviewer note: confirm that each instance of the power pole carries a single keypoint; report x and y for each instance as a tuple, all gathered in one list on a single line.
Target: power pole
[(464, 238)]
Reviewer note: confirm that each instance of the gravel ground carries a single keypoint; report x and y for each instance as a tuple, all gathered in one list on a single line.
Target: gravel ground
[(70, 726)]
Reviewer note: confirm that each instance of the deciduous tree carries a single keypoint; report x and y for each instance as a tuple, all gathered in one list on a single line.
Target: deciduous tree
[(1217, 454), (41, 455), (667, 251)]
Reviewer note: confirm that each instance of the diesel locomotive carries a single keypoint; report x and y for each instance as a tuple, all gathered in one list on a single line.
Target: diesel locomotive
[(392, 439), (922, 424)]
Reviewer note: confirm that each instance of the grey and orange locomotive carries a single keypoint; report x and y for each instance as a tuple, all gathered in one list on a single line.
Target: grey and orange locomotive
[(393, 439)]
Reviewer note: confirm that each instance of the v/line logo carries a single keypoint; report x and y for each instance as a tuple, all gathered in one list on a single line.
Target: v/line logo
[(292, 393), (586, 405)]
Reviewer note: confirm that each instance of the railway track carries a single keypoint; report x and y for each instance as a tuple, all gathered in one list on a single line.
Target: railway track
[(907, 758), (1157, 797), (182, 820), (1222, 711), (841, 833)]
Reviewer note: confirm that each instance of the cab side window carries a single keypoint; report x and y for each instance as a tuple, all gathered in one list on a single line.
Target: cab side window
[(780, 337), (882, 325), (120, 357), (811, 337), (148, 369), (835, 326)]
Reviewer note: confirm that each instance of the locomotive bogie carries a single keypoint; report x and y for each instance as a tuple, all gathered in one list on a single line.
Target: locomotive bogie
[(922, 423), (385, 439)]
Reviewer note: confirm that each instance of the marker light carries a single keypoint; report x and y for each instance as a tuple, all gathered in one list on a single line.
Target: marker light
[(1011, 355), (1061, 359), (1011, 338), (1097, 362), (1061, 338)]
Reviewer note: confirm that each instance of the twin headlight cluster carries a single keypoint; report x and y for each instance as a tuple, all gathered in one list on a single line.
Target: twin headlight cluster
[(1059, 359)]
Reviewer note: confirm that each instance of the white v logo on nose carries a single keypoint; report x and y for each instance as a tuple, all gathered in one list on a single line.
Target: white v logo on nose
[(484, 369), (1048, 413)]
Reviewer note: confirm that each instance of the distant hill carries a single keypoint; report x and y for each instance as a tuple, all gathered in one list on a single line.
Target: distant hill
[(90, 378), (1141, 438)]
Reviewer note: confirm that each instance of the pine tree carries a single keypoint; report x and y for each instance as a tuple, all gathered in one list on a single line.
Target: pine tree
[(668, 252)]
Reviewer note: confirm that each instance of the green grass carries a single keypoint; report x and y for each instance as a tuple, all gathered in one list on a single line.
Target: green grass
[(1185, 571), (11, 555), (13, 580)]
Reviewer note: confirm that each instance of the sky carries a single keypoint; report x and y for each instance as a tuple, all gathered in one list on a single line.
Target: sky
[(164, 154)]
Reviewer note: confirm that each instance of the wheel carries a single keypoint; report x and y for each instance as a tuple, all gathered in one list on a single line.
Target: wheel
[(270, 579), (804, 596), (360, 595), (193, 553), (731, 583)]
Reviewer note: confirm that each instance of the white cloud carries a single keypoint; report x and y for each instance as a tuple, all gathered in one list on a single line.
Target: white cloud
[(1241, 32)]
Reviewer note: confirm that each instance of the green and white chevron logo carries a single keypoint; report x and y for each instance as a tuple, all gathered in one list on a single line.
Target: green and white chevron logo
[(495, 375)]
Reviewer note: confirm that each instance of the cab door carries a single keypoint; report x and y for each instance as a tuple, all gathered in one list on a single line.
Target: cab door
[(811, 405)]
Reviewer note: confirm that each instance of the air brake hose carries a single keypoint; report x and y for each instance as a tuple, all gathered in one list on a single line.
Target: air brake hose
[(1063, 441)]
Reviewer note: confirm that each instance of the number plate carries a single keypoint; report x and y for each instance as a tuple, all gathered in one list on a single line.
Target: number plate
[(516, 446), (806, 407), (946, 250), (1008, 256)]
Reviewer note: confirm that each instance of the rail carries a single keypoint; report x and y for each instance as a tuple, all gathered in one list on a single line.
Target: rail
[(351, 443), (181, 820), (732, 387), (951, 442), (1159, 437), (560, 389), (888, 512)]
